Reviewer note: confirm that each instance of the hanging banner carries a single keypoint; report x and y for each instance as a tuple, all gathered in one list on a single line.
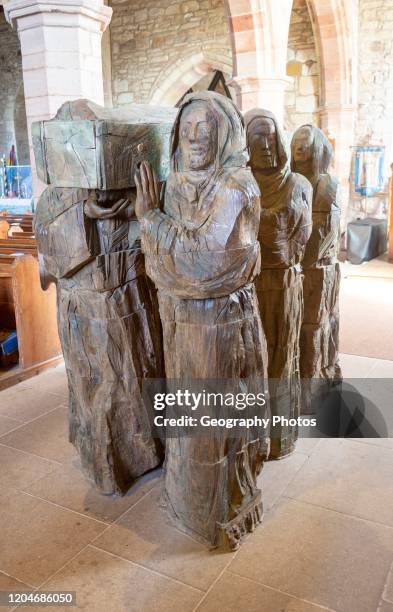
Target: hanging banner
[(367, 173)]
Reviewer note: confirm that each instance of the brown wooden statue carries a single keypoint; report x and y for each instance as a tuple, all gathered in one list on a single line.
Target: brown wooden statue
[(89, 245), (203, 254), (284, 230), (108, 325), (311, 156)]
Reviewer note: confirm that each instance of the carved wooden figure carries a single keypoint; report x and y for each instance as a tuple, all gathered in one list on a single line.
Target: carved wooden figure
[(89, 245), (311, 156), (284, 230), (203, 254)]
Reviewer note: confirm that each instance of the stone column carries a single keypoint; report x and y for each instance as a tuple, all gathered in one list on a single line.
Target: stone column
[(262, 92), (259, 33), (61, 55)]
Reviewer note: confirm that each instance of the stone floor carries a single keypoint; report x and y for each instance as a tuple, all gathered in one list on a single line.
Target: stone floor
[(326, 542), (366, 305)]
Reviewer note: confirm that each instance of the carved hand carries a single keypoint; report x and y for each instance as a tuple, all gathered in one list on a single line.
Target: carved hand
[(93, 210), (147, 190)]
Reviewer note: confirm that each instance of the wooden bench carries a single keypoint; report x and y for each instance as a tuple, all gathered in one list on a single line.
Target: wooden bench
[(4, 229), (16, 232), (25, 222), (15, 244), (32, 312)]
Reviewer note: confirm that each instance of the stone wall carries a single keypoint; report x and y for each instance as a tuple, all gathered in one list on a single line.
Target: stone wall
[(374, 123), (375, 77), (151, 38), (11, 94), (302, 95)]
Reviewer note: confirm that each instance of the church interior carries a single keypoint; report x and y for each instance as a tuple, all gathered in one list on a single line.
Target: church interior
[(71, 519)]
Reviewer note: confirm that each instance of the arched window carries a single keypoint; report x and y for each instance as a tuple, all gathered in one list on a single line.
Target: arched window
[(214, 81)]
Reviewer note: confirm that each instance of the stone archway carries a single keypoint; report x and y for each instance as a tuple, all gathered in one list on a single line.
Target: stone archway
[(259, 35), (184, 73), (334, 23)]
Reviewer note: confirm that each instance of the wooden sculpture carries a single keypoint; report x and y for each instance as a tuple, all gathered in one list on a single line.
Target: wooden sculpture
[(89, 245), (311, 156), (202, 253), (93, 147), (283, 234)]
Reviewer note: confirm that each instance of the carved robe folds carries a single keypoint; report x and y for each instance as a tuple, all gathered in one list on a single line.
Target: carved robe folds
[(284, 230), (312, 155), (202, 253), (110, 334)]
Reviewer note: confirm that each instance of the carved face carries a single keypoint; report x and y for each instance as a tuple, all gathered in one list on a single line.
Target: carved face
[(262, 143), (197, 137), (302, 145)]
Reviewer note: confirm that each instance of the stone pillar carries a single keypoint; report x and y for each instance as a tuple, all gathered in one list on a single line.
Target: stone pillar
[(61, 55), (259, 32), (268, 93)]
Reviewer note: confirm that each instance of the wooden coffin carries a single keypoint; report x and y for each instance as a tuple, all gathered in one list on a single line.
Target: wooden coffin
[(88, 146)]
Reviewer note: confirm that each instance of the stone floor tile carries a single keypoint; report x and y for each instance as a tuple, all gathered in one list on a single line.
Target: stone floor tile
[(53, 380), (382, 368), (144, 535), (55, 386), (388, 589), (7, 424), (324, 557), (232, 593), (37, 538), (355, 366), (7, 583), (105, 583), (26, 404), (276, 475), (384, 442), (67, 486), (20, 469), (350, 477), (306, 445), (46, 437)]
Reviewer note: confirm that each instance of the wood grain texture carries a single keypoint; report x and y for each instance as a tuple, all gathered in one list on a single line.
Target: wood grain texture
[(202, 253), (319, 339), (4, 228), (17, 374), (110, 332), (24, 221), (7, 305), (35, 314), (285, 228), (77, 148)]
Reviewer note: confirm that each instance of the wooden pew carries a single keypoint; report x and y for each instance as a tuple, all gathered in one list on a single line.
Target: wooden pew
[(4, 229), (17, 232), (24, 221), (12, 245), (32, 312), (15, 229)]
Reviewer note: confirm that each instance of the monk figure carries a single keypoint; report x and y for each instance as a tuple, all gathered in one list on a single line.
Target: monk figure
[(285, 228), (312, 154), (89, 245), (202, 253)]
